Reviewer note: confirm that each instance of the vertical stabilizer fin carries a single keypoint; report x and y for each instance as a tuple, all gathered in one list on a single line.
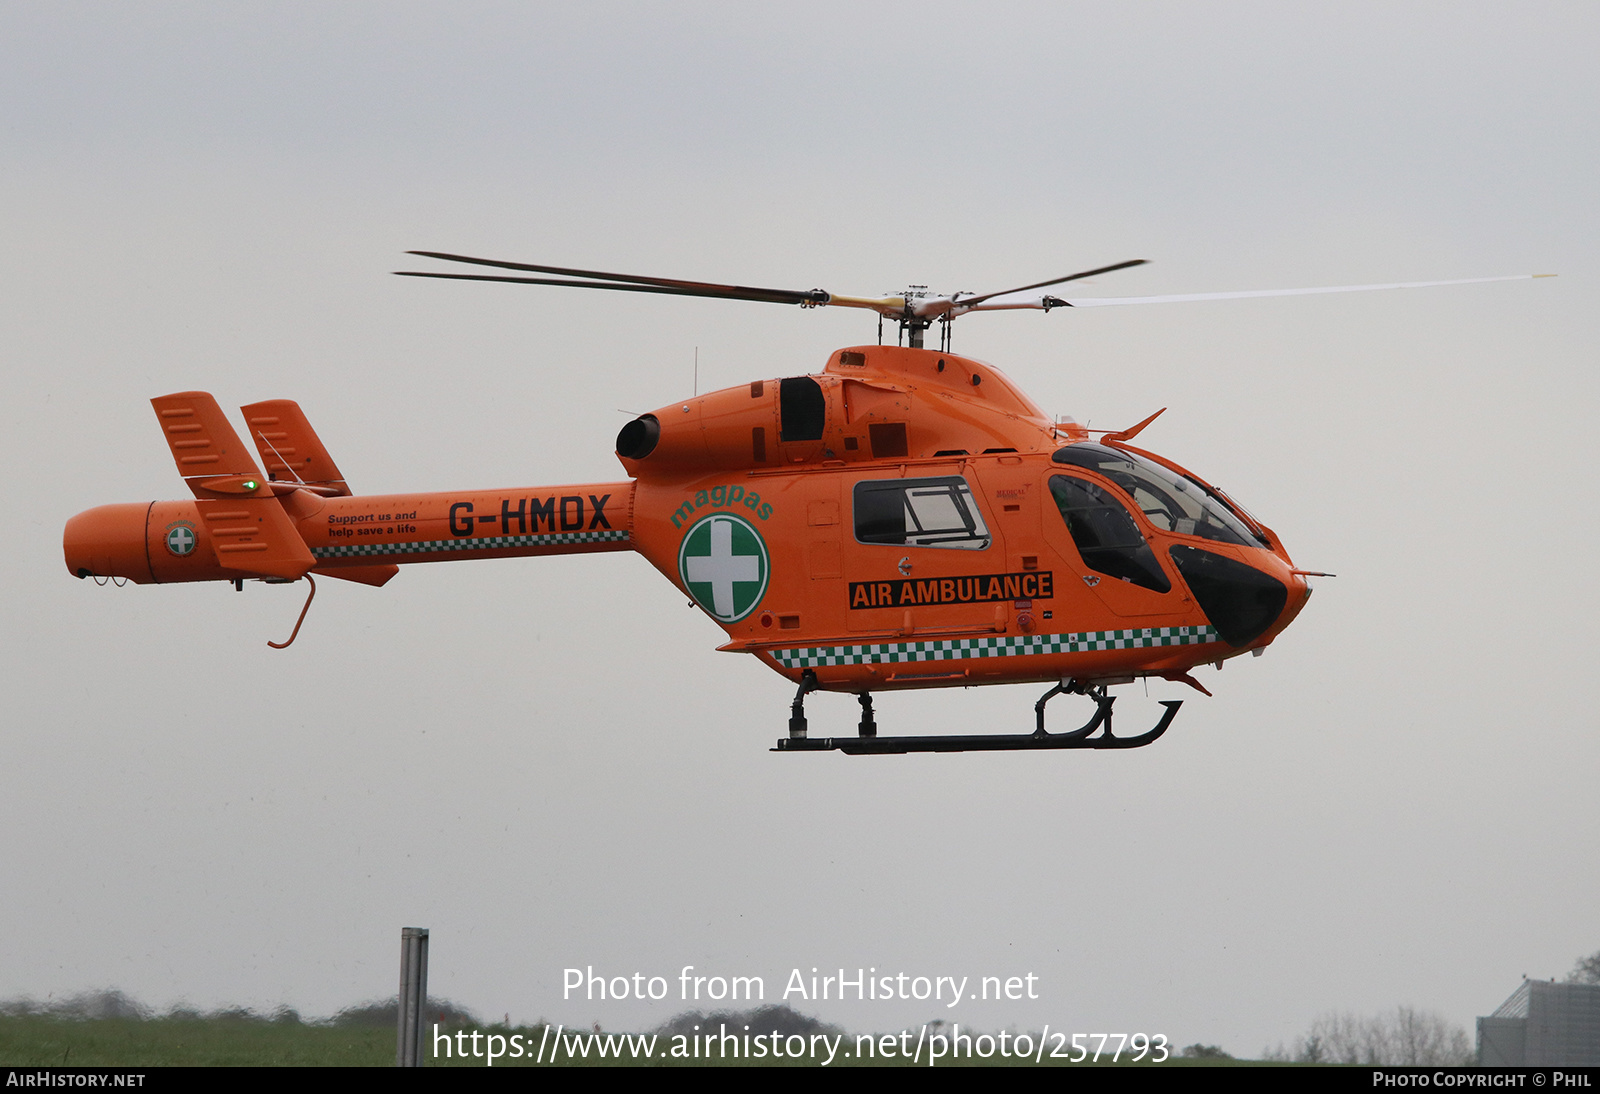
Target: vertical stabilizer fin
[(255, 537), (290, 449), (210, 457), (377, 574)]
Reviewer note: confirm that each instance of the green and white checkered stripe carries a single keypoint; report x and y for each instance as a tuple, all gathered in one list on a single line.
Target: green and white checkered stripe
[(961, 649), (481, 543)]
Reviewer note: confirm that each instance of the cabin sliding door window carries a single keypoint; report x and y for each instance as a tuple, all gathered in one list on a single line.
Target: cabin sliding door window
[(937, 512)]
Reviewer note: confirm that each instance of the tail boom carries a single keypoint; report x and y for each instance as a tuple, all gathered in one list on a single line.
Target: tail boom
[(405, 528), (361, 538)]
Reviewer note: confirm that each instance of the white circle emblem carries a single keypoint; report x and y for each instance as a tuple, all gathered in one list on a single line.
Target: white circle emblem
[(723, 563), (181, 539)]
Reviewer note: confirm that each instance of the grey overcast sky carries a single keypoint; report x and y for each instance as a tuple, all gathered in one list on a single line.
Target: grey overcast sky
[(545, 761)]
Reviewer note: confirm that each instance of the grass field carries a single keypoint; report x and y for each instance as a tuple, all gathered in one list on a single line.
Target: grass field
[(365, 1037), (43, 1040)]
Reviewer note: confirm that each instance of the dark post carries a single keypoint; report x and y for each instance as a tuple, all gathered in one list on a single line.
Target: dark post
[(413, 995)]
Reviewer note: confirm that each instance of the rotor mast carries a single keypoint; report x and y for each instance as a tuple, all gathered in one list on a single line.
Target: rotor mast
[(914, 326)]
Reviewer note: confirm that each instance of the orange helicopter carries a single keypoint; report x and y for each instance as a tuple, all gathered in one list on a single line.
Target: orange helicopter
[(906, 518)]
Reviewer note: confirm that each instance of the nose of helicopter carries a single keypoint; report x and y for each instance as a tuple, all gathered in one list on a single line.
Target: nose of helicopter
[(1241, 601)]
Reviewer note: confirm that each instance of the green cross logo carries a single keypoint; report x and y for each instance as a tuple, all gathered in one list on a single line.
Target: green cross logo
[(181, 538), (723, 563)]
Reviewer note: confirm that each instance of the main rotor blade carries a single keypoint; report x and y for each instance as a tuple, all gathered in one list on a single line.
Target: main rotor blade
[(729, 292), (1057, 281), (1109, 301), (664, 284)]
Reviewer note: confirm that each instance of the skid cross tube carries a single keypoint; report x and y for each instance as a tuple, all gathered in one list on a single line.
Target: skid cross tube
[(1082, 737)]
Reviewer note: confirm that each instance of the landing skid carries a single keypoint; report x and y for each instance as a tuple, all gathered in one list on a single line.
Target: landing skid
[(868, 743)]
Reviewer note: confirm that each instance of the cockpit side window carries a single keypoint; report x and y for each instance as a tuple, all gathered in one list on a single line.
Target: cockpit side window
[(1105, 533), (937, 512), (1170, 501)]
